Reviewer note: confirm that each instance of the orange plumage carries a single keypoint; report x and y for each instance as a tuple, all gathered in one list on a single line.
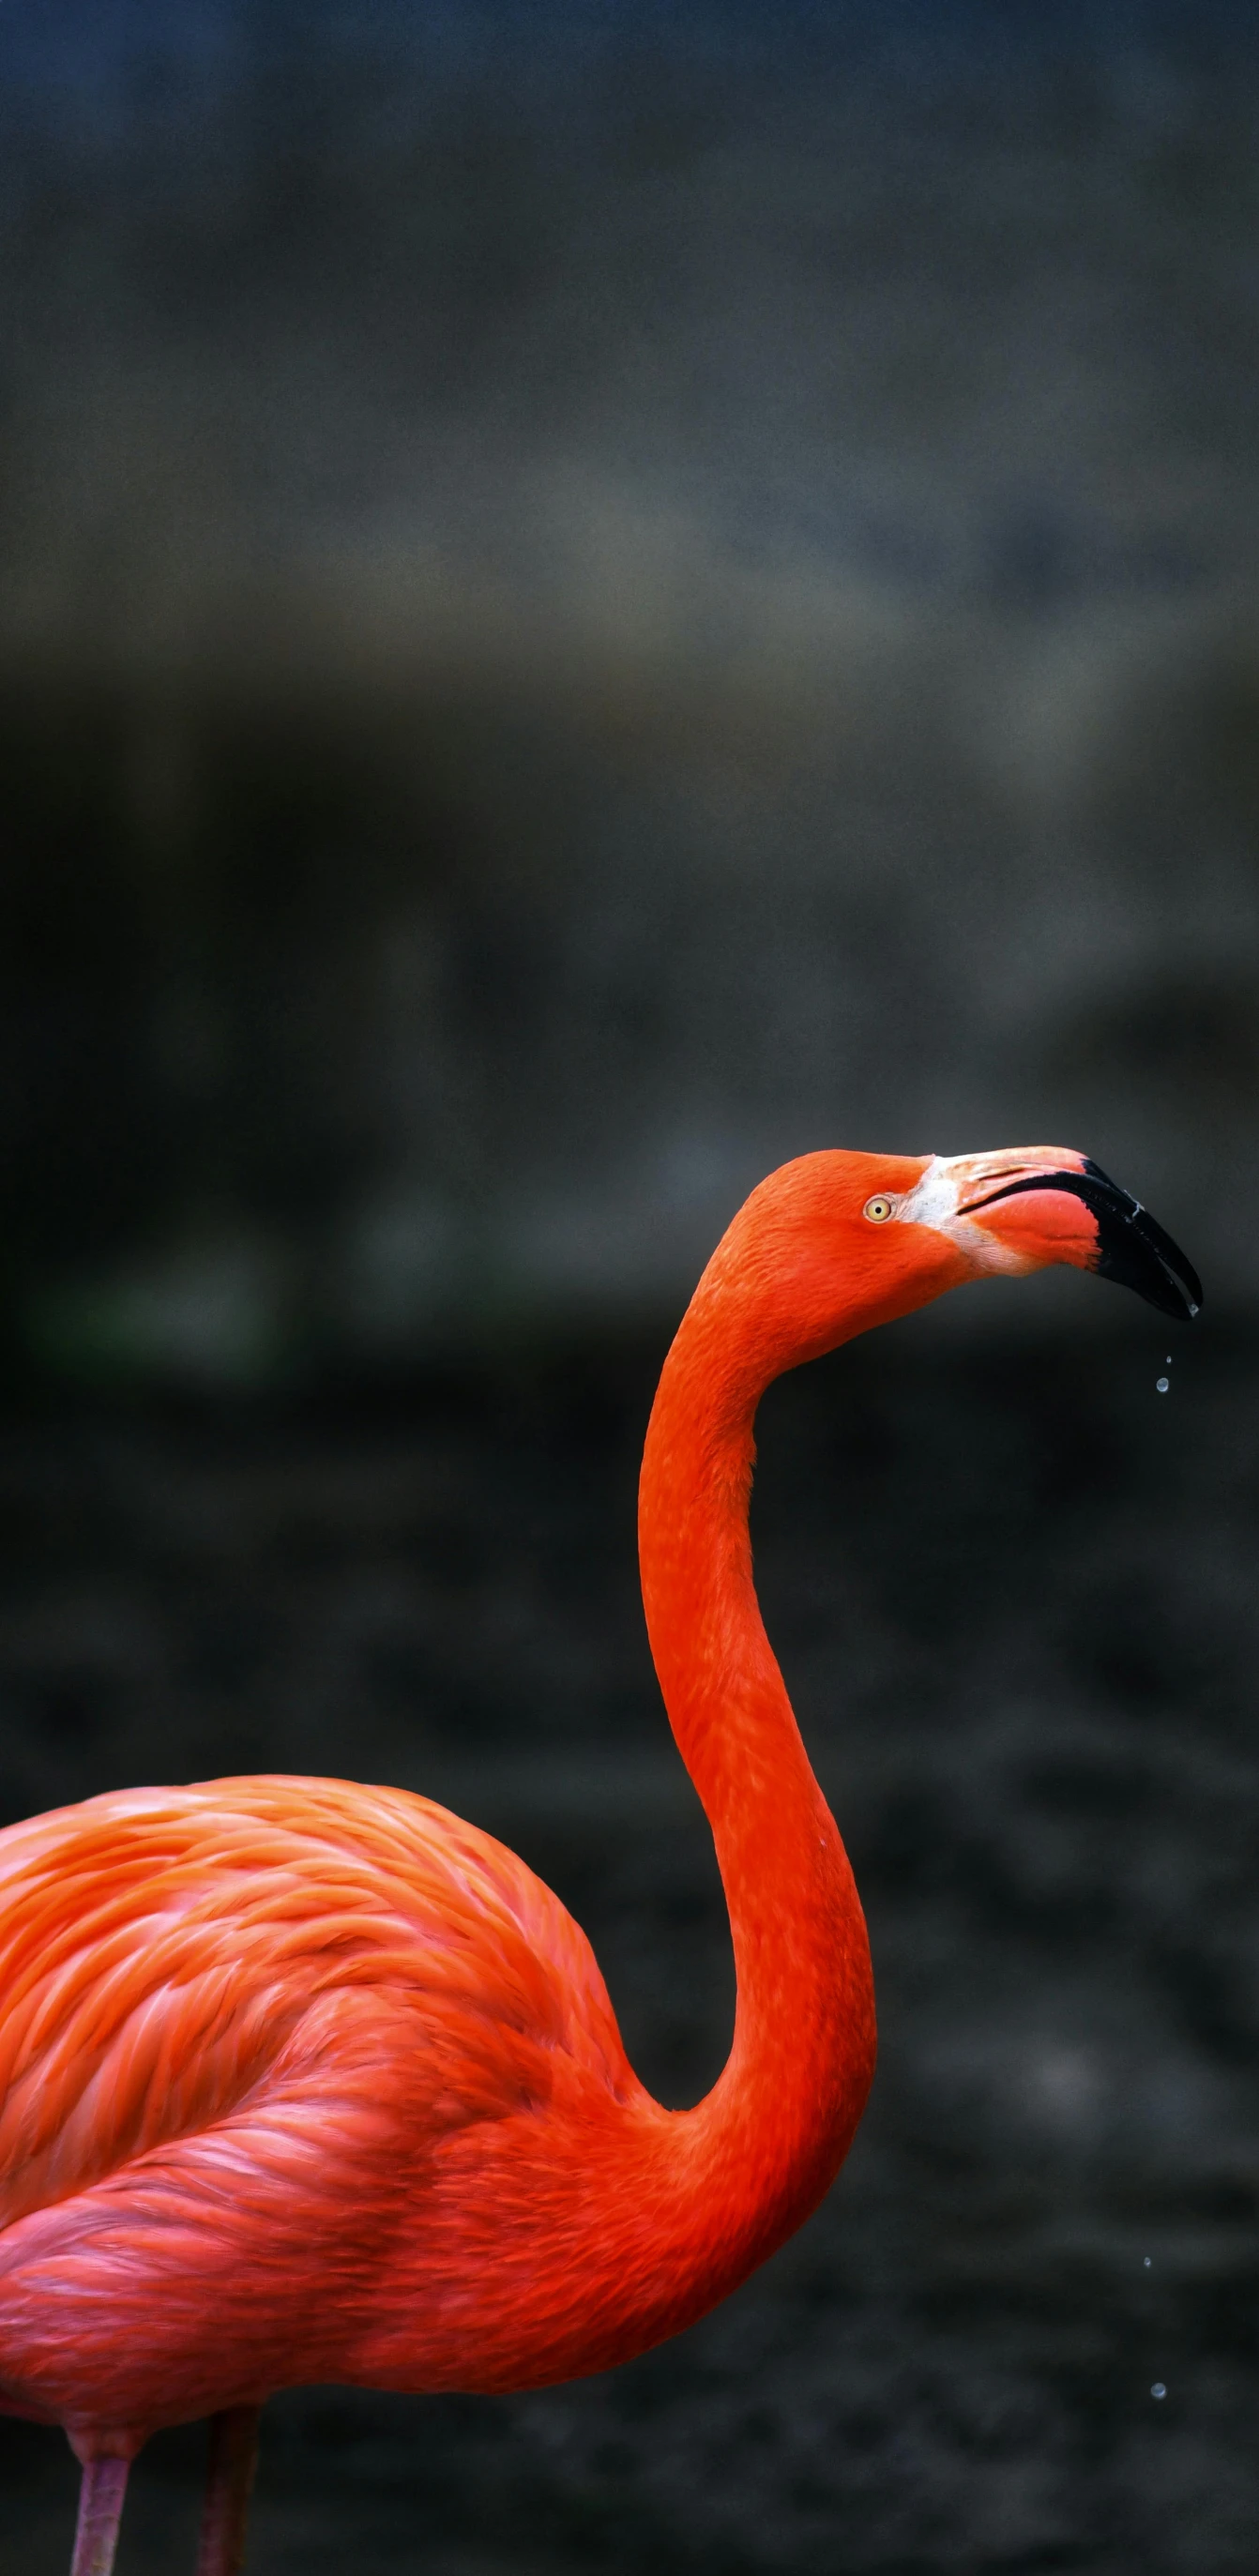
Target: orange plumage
[(304, 2081)]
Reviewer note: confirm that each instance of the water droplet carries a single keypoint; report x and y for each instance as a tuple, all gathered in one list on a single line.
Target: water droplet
[(1162, 1385), (1158, 2389), (1169, 1359), (1146, 2260)]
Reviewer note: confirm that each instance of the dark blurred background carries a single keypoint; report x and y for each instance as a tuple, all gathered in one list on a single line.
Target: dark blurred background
[(592, 597)]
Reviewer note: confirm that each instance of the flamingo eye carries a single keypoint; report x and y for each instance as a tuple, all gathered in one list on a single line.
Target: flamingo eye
[(878, 1210)]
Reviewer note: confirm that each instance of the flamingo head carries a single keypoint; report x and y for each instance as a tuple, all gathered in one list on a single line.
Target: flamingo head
[(836, 1242)]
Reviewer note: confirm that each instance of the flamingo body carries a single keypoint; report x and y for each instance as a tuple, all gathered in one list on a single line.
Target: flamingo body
[(270, 2033), (305, 2081)]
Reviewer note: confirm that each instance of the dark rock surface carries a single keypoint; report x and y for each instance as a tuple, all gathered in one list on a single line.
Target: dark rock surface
[(579, 617), (1014, 1594)]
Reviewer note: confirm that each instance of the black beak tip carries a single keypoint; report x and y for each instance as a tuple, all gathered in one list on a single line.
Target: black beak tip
[(1136, 1252)]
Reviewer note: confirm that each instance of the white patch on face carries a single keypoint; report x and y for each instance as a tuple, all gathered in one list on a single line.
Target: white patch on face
[(934, 1199)]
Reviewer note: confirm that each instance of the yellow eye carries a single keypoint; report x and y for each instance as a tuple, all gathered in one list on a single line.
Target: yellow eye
[(878, 1210)]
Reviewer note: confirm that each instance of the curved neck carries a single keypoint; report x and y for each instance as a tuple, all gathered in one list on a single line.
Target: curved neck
[(783, 2113)]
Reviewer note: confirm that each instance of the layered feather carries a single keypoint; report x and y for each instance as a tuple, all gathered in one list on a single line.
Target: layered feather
[(170, 1957)]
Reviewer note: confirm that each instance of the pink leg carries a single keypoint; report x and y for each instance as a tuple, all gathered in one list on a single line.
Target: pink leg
[(100, 2512), (233, 2459)]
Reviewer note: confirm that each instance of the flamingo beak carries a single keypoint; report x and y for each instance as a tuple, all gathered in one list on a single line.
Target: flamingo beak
[(1130, 1246)]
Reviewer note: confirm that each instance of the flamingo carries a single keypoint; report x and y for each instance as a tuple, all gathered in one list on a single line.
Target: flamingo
[(304, 2081)]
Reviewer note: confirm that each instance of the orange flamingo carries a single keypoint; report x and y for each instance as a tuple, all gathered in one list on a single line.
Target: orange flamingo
[(301, 2081)]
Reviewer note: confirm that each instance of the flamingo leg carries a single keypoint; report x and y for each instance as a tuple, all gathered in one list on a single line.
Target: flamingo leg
[(233, 2459), (101, 2492)]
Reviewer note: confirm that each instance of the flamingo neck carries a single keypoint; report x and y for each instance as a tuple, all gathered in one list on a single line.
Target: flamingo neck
[(780, 2119)]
